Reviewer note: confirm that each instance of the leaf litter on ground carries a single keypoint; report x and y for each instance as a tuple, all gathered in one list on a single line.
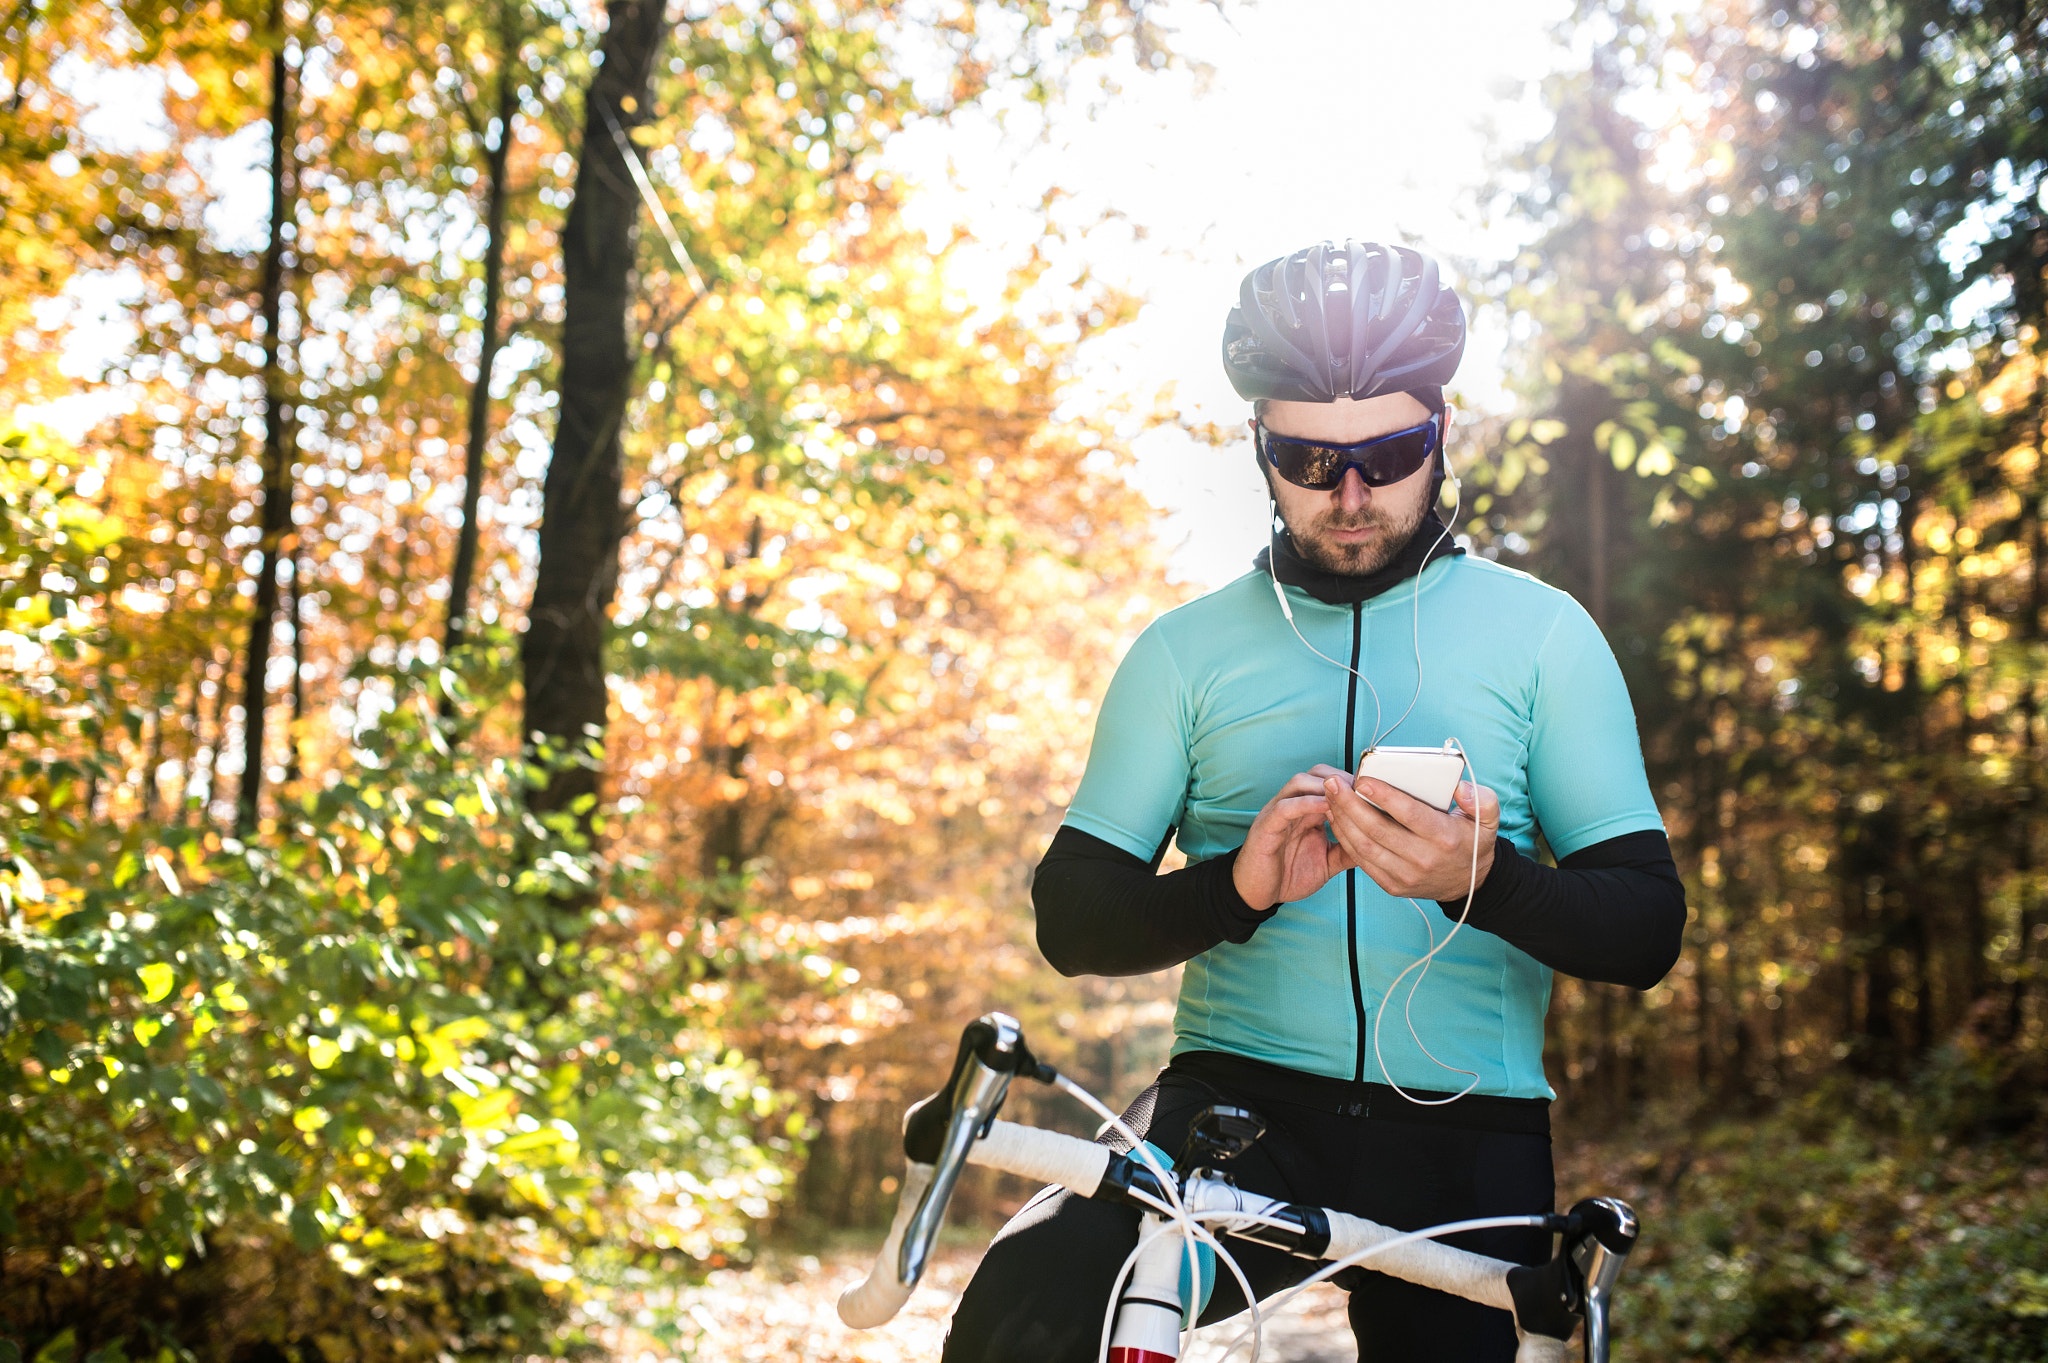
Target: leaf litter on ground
[(783, 1306)]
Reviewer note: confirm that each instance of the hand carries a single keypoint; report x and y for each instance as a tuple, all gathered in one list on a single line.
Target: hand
[(1287, 855), (1409, 849)]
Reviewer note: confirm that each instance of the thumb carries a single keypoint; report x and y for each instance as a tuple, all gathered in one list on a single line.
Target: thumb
[(1479, 803)]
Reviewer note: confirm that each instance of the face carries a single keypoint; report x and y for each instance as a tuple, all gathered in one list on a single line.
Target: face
[(1352, 529)]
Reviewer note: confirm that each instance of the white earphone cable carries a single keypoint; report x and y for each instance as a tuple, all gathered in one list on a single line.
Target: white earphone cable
[(1287, 611), (1423, 962)]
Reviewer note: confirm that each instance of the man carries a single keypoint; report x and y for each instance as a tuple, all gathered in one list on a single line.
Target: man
[(1233, 725)]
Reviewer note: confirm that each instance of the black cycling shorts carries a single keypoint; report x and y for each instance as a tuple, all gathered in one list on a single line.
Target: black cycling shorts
[(1040, 1294)]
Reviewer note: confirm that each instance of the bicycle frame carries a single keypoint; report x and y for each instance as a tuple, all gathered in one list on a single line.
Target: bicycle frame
[(958, 1126)]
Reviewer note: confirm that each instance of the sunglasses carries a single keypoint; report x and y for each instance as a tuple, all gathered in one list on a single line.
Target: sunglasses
[(1320, 467)]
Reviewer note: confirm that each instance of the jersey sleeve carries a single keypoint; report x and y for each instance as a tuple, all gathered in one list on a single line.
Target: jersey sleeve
[(1136, 783), (1586, 780)]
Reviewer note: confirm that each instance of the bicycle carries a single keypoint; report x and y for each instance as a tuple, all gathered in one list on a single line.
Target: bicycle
[(1188, 1203)]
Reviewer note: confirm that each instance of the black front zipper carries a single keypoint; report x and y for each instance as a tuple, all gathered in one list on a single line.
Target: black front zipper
[(1344, 761)]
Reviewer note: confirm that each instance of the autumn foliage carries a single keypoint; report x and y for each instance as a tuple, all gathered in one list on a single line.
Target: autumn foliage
[(362, 997), (366, 1050)]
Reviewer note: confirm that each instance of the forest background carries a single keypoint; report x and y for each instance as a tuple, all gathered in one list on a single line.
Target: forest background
[(530, 707)]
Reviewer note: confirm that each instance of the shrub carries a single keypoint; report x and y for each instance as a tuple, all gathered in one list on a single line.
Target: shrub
[(378, 1085), (1864, 1221)]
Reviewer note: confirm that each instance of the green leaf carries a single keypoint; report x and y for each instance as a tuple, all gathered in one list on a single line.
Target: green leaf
[(1621, 448), (306, 1232), (61, 1349), (50, 1049), (157, 980), (207, 1090), (492, 1109)]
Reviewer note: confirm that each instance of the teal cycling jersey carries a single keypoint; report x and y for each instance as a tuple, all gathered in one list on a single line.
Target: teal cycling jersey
[(1218, 703)]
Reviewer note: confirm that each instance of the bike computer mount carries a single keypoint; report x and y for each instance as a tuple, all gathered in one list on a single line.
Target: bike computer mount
[(1578, 1282), (1218, 1133)]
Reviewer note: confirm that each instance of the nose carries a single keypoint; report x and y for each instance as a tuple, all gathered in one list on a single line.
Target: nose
[(1352, 494)]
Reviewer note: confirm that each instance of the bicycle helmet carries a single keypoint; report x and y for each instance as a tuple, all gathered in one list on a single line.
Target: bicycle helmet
[(1350, 321)]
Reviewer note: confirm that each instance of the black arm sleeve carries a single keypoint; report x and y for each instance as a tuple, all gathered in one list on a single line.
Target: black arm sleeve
[(1102, 911), (1613, 912)]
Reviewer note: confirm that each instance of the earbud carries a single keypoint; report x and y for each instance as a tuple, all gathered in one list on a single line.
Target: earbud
[(1273, 567), (1423, 962)]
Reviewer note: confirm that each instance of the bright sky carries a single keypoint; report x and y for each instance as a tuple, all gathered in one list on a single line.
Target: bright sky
[(1291, 121), (1317, 118)]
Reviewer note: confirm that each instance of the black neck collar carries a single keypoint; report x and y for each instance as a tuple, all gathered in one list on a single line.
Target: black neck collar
[(1425, 546)]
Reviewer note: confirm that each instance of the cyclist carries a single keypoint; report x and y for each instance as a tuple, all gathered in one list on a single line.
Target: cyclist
[(1224, 728)]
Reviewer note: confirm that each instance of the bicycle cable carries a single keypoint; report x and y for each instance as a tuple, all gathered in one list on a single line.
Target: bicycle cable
[(1177, 1216), (1192, 1230), (1336, 1266)]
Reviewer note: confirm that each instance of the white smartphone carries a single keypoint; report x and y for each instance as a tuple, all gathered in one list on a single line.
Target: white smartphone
[(1428, 774)]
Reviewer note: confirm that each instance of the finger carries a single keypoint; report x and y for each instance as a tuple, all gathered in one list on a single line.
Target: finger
[(1388, 871), (1323, 771), (1370, 851), (1301, 783), (1348, 813), (1283, 820), (1475, 797), (1478, 803), (1297, 810), (1299, 787), (1368, 822), (1404, 808)]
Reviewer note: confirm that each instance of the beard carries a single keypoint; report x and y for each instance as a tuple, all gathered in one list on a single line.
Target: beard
[(1316, 540)]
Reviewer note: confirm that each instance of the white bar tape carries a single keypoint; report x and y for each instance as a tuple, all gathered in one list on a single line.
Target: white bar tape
[(1538, 1348), (1462, 1273), (1047, 1156), (872, 1302)]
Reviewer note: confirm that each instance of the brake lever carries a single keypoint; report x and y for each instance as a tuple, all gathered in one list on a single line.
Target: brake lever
[(939, 1129), (1578, 1281), (1607, 1230)]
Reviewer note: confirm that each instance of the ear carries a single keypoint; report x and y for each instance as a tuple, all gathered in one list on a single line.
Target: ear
[(1445, 473)]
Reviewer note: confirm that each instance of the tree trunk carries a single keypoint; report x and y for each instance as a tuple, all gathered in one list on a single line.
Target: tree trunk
[(582, 520), (1596, 534), (277, 490), (464, 573), (2028, 796), (293, 769), (1606, 1049), (218, 743), (188, 761), (153, 756)]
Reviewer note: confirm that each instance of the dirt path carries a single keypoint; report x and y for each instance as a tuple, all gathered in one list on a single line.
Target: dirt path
[(782, 1309)]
